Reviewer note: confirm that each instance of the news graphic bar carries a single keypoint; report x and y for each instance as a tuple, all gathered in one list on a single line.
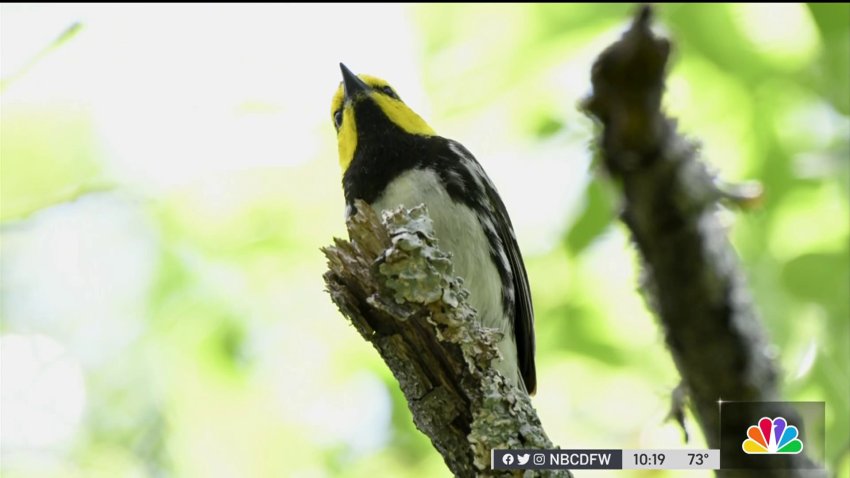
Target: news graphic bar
[(671, 459), (556, 459), (527, 459)]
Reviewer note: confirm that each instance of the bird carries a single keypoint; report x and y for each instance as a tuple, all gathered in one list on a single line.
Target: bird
[(391, 157)]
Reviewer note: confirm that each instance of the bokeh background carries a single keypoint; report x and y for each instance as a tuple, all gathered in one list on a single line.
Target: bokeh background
[(169, 174)]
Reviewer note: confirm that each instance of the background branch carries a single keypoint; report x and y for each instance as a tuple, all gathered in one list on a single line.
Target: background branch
[(398, 289), (692, 276)]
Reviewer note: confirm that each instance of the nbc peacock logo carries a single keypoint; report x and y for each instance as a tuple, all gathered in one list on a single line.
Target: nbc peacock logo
[(772, 436)]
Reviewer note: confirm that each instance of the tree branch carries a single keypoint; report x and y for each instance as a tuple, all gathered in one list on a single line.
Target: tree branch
[(397, 288), (692, 276)]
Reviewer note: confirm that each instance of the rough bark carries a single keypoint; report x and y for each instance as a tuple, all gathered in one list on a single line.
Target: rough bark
[(398, 289), (692, 277)]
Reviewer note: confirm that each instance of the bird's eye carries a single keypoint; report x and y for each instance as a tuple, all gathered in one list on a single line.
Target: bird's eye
[(387, 90), (338, 118)]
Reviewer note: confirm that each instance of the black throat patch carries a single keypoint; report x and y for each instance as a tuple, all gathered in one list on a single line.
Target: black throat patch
[(384, 151)]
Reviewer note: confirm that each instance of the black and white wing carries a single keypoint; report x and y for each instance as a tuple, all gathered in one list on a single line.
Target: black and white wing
[(518, 297)]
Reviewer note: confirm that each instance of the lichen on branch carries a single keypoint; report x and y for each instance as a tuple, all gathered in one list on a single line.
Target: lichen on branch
[(398, 289)]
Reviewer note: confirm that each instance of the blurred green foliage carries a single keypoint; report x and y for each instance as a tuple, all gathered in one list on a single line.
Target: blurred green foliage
[(195, 310)]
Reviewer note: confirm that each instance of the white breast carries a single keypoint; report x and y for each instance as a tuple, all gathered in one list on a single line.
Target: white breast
[(459, 232)]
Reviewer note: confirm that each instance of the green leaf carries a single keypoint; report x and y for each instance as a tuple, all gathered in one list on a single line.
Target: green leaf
[(593, 220), (818, 277)]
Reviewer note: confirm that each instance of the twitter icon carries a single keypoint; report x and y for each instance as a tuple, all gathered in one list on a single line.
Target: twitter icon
[(522, 459)]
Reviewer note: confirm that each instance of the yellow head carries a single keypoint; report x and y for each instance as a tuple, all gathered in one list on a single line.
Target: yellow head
[(353, 93)]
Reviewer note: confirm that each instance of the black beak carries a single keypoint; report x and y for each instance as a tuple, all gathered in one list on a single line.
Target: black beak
[(352, 85)]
